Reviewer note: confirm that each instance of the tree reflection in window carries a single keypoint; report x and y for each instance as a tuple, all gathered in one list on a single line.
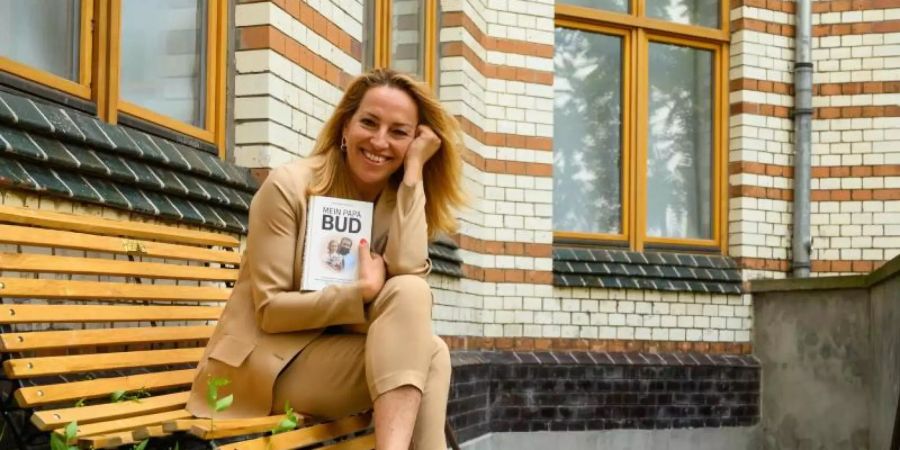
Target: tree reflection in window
[(587, 132), (679, 153), (690, 12)]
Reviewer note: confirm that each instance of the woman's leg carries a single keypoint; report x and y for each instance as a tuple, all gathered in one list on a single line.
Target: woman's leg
[(400, 348), (391, 367), (429, 431), (327, 379)]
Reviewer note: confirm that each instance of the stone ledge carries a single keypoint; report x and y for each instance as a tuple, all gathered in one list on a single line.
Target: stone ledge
[(839, 282)]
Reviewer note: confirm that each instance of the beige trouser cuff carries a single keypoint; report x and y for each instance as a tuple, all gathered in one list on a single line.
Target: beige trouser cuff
[(394, 380)]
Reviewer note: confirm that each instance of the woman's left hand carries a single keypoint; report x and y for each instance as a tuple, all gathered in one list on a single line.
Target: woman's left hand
[(422, 148)]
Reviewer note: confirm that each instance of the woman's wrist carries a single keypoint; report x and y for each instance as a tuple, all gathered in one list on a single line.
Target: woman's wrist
[(412, 172)]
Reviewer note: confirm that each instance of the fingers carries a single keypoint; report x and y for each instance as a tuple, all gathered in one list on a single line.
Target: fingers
[(364, 249)]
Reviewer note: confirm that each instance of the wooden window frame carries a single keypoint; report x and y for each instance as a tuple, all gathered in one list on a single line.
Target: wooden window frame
[(638, 31), (99, 74), (80, 88), (382, 44)]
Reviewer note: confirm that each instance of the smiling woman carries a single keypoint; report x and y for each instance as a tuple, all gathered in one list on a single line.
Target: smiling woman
[(368, 344), (377, 137)]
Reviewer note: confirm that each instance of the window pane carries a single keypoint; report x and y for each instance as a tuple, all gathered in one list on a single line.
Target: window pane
[(163, 57), (694, 12), (679, 166), (42, 34), (407, 31), (587, 143), (609, 5)]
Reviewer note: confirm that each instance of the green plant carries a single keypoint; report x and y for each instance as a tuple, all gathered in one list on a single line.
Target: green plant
[(80, 402), (141, 445), (61, 441), (290, 421), (123, 395), (215, 403)]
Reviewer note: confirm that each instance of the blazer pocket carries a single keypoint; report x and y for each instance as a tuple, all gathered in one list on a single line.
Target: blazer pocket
[(231, 350)]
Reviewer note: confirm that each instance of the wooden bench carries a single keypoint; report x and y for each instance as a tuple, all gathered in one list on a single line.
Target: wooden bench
[(92, 307)]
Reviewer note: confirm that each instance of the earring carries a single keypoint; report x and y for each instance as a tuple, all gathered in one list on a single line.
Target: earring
[(344, 144)]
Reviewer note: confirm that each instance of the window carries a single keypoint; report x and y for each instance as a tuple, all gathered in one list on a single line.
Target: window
[(640, 123), (161, 61), (402, 34), (48, 42)]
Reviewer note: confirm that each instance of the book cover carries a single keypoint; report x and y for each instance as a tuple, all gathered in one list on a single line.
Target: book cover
[(334, 228)]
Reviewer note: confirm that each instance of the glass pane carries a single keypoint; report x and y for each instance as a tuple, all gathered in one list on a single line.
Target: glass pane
[(163, 57), (407, 31), (42, 34), (679, 165), (609, 5), (587, 129), (694, 12)]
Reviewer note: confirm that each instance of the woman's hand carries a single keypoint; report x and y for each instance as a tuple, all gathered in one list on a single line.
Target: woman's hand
[(425, 145), (371, 272)]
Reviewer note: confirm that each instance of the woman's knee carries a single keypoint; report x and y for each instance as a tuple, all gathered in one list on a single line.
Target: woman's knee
[(440, 361), (408, 290)]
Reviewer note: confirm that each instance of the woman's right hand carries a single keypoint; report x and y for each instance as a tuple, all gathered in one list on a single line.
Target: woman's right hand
[(371, 272)]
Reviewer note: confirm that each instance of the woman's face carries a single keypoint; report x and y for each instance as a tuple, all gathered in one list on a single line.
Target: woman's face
[(332, 246), (378, 135)]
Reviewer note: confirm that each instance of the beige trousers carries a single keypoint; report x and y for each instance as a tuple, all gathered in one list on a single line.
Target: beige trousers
[(343, 372)]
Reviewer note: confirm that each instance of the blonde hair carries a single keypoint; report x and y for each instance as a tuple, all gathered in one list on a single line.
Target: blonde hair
[(442, 173)]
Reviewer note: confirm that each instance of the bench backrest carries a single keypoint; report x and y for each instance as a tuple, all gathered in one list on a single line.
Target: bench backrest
[(92, 307)]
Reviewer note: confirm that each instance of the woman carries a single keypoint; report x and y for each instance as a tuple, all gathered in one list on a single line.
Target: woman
[(348, 348)]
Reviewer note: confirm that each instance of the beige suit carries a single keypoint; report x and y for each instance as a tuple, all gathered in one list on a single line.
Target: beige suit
[(353, 348)]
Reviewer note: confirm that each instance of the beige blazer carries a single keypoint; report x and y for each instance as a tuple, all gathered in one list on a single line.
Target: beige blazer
[(267, 320)]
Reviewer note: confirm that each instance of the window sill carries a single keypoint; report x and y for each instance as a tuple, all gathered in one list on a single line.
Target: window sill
[(658, 271)]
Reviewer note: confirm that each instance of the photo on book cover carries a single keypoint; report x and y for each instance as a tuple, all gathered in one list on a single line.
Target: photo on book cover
[(335, 227)]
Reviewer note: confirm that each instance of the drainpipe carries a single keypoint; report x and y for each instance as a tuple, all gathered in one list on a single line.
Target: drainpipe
[(802, 242)]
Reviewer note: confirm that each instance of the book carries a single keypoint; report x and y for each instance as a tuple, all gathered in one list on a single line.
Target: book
[(334, 228)]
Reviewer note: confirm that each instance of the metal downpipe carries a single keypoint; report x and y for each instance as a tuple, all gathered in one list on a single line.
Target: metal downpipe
[(803, 68)]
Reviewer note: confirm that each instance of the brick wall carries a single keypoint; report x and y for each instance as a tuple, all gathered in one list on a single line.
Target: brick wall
[(760, 130), (856, 135), (292, 60), (496, 77), (855, 143)]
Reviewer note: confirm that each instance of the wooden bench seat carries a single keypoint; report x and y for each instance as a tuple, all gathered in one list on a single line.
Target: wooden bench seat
[(102, 323)]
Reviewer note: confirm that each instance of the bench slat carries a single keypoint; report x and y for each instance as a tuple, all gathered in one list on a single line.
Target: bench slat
[(56, 365), (97, 290), (234, 427), (54, 418), (55, 393), (97, 225), (11, 313), (150, 431), (15, 342), (130, 423), (39, 237), (366, 442), (22, 262), (304, 436), (109, 440)]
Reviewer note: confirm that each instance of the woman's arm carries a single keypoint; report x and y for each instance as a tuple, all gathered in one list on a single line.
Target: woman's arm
[(407, 245), (270, 258)]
